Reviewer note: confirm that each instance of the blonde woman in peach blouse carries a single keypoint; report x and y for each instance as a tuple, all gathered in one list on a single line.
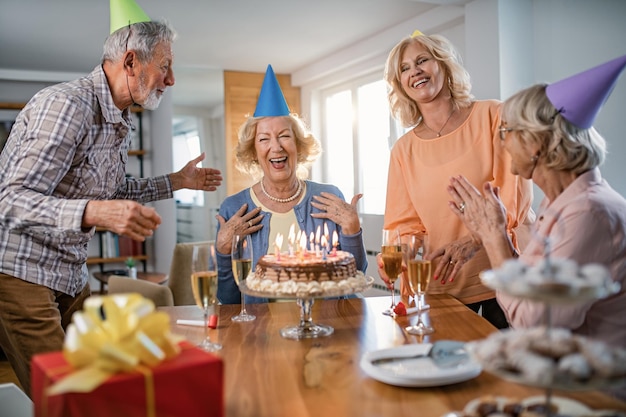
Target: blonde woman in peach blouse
[(452, 134)]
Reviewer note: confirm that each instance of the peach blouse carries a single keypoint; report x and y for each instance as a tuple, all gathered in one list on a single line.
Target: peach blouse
[(417, 197)]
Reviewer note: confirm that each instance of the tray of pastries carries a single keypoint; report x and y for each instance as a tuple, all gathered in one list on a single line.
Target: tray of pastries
[(552, 280), (551, 358), (536, 406)]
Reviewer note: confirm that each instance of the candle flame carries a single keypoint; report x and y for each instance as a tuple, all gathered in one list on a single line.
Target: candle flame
[(292, 234)]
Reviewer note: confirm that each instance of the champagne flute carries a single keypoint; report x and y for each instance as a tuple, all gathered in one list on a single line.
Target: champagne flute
[(204, 286), (419, 272), (391, 253), (241, 254)]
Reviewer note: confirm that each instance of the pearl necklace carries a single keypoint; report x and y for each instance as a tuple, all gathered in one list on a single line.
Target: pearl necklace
[(440, 130), (282, 200)]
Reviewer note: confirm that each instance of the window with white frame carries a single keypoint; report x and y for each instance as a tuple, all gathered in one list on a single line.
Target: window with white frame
[(185, 146), (357, 136)]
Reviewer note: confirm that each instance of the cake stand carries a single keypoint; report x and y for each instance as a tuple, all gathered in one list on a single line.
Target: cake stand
[(306, 328), (550, 294)]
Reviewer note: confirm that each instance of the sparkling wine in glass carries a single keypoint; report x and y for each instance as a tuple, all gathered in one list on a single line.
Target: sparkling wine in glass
[(419, 272), (204, 286), (241, 255), (391, 253)]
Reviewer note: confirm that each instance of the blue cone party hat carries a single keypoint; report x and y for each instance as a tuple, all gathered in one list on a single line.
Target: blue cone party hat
[(580, 97), (125, 13), (271, 99)]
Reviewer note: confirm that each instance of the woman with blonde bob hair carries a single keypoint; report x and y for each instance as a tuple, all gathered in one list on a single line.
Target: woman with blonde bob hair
[(451, 133), (276, 148), (307, 146)]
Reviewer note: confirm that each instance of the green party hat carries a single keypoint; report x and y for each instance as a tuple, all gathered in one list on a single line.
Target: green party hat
[(125, 13)]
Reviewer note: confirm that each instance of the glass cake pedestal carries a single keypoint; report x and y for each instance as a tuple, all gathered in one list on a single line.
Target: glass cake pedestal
[(306, 328)]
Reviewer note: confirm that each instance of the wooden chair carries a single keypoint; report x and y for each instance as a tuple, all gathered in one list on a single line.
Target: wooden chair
[(178, 284), (160, 295)]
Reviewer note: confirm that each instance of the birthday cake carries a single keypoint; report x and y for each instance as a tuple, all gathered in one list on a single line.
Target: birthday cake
[(308, 274)]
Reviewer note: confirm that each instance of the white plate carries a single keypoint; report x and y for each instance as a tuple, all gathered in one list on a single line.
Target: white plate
[(419, 372)]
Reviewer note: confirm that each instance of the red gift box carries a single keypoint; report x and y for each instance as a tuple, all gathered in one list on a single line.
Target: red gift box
[(191, 384)]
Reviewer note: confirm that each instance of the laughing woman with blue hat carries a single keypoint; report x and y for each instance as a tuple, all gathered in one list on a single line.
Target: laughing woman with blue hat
[(276, 147), (548, 131)]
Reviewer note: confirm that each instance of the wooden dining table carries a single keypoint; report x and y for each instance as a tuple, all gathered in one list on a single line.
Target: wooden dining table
[(268, 375)]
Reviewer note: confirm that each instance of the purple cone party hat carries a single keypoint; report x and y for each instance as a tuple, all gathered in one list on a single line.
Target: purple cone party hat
[(125, 13), (580, 97), (271, 99)]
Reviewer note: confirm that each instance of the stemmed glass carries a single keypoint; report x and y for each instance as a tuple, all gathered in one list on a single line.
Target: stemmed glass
[(204, 286), (419, 272), (391, 252), (241, 254)]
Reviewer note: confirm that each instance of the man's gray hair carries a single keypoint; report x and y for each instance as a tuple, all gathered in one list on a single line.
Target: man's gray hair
[(141, 37)]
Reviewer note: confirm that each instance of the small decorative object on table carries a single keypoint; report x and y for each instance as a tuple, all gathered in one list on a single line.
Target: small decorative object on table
[(132, 267)]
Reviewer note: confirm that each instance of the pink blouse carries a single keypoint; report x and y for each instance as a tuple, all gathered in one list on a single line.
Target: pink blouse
[(585, 223)]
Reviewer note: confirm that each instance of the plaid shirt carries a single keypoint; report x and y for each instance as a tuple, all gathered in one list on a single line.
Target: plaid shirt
[(68, 146)]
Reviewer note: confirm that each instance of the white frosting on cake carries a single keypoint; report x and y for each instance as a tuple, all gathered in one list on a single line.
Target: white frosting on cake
[(311, 288)]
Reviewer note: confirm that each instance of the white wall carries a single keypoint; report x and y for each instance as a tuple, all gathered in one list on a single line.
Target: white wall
[(506, 46), (571, 36)]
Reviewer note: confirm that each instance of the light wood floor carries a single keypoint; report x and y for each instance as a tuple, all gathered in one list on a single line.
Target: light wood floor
[(7, 374)]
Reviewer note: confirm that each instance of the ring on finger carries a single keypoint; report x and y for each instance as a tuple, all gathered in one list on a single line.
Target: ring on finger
[(249, 223), (462, 206)]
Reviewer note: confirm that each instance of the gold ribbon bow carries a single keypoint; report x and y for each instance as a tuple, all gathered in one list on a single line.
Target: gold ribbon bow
[(116, 333)]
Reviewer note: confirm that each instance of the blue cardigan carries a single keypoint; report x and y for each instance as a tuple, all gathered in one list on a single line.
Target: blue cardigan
[(227, 290)]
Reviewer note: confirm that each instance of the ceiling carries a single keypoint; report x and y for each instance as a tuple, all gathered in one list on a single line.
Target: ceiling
[(66, 36)]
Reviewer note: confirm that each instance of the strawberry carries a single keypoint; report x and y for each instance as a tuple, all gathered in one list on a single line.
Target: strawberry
[(400, 309)]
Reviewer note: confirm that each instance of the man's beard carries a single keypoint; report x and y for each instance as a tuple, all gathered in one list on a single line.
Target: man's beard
[(153, 100)]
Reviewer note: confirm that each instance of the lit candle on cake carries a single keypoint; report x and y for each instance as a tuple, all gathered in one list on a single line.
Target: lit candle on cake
[(317, 241), (327, 238), (297, 242), (302, 246), (291, 238), (312, 245), (278, 244), (335, 242), (324, 247)]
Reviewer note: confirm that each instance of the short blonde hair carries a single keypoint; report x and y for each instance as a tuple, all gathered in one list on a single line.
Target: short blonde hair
[(402, 106), (564, 146), (308, 147)]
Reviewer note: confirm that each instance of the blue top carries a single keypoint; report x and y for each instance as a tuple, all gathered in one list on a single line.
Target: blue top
[(227, 290)]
